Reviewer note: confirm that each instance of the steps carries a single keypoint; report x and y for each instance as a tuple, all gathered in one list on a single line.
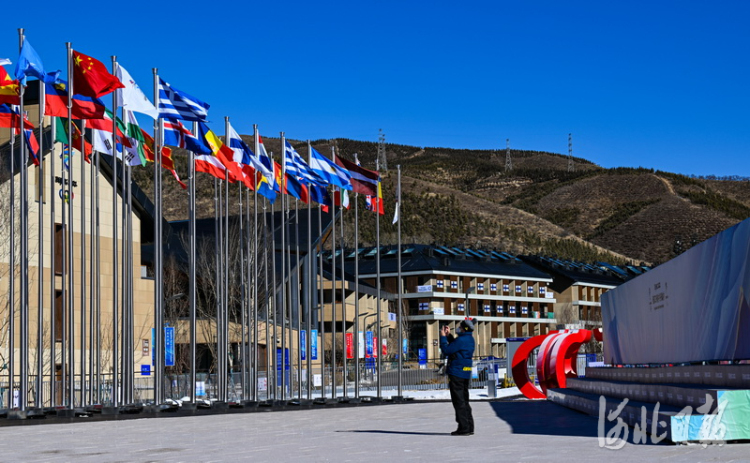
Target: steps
[(705, 403)]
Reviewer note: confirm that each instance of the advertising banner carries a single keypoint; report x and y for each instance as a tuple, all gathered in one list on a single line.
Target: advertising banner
[(349, 345), (693, 308)]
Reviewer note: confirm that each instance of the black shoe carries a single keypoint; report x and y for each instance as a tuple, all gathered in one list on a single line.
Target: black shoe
[(462, 433)]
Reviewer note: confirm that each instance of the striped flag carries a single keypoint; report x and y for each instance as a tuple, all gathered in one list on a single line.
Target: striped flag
[(176, 104), (297, 167), (364, 181), (329, 171), (176, 134)]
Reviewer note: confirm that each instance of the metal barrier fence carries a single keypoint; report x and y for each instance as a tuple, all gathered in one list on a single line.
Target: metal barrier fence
[(428, 376)]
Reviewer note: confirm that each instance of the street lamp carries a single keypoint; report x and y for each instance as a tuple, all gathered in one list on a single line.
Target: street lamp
[(471, 289)]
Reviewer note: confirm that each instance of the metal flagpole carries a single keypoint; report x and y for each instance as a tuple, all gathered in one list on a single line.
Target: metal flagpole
[(125, 342), (192, 279), (98, 311), (115, 281), (308, 293), (39, 399), (255, 273), (24, 212), (333, 293), (92, 284), (217, 248), (298, 306), (243, 297), (321, 317), (52, 269), (159, 265), (377, 271), (225, 318), (272, 347), (283, 272), (250, 254), (266, 296), (128, 281), (71, 275), (399, 310), (356, 293), (343, 290), (82, 341), (12, 266)]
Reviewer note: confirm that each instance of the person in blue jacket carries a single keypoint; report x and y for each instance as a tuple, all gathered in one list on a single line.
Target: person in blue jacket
[(460, 350)]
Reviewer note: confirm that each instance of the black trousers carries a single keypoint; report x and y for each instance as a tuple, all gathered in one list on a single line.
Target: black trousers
[(459, 388)]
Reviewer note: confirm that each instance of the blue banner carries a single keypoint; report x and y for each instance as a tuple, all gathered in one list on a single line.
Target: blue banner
[(279, 363), (423, 356), (405, 348), (368, 344), (303, 344), (314, 344), (169, 346)]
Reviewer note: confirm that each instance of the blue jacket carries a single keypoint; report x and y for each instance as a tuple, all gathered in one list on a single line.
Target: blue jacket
[(459, 352)]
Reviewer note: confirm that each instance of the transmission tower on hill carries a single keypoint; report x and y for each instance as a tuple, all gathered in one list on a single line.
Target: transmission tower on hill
[(508, 160), (571, 166), (381, 151)]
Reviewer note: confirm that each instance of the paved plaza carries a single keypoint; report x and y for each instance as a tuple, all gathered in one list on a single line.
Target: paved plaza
[(506, 430)]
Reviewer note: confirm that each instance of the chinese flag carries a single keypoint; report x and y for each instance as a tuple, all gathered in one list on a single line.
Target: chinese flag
[(8, 88), (91, 78)]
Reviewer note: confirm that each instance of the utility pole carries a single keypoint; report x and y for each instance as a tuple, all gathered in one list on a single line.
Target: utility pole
[(508, 160), (381, 151), (571, 166)]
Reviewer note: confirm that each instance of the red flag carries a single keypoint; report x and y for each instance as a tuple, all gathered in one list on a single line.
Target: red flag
[(8, 88), (166, 157), (91, 78), (56, 103), (363, 180)]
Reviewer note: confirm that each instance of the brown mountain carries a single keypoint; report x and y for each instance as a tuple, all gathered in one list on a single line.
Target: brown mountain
[(467, 198)]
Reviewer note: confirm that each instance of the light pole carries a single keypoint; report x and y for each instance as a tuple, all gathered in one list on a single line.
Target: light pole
[(471, 289)]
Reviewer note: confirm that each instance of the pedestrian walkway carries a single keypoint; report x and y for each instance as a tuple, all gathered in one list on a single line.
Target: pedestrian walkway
[(506, 430)]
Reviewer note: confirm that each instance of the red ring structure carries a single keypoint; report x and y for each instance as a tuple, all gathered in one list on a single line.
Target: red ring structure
[(556, 360)]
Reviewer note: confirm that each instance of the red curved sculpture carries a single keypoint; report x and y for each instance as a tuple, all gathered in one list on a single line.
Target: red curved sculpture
[(556, 360)]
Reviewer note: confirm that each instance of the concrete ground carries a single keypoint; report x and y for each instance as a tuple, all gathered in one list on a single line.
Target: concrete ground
[(506, 430)]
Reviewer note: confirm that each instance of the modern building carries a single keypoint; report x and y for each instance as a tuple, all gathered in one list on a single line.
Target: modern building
[(443, 285)]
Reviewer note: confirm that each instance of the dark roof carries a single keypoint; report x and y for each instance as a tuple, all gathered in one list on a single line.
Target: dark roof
[(428, 258), (568, 272)]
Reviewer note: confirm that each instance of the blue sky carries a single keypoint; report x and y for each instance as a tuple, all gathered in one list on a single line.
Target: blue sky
[(660, 84)]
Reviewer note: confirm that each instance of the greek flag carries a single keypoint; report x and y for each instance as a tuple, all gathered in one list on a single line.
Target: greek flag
[(176, 104), (297, 167)]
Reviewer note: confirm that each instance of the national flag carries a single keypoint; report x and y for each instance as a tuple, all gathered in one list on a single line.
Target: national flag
[(298, 168), (131, 97), (268, 164), (245, 156), (91, 78), (56, 103), (294, 187), (375, 203), (266, 188), (176, 134), (9, 87), (101, 137), (29, 63), (62, 137), (32, 144), (320, 195), (398, 203), (329, 171), (135, 135), (341, 198), (176, 104), (221, 152), (10, 119), (166, 157), (364, 181)]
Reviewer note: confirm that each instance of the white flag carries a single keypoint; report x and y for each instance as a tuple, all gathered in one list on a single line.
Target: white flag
[(4, 61), (131, 97), (398, 202)]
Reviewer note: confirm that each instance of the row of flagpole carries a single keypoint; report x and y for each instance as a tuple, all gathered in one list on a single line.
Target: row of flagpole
[(122, 340)]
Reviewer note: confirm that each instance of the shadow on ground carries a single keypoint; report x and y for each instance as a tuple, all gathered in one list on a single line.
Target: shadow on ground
[(544, 418)]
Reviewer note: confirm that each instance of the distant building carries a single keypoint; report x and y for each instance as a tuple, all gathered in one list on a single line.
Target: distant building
[(442, 285), (579, 287)]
